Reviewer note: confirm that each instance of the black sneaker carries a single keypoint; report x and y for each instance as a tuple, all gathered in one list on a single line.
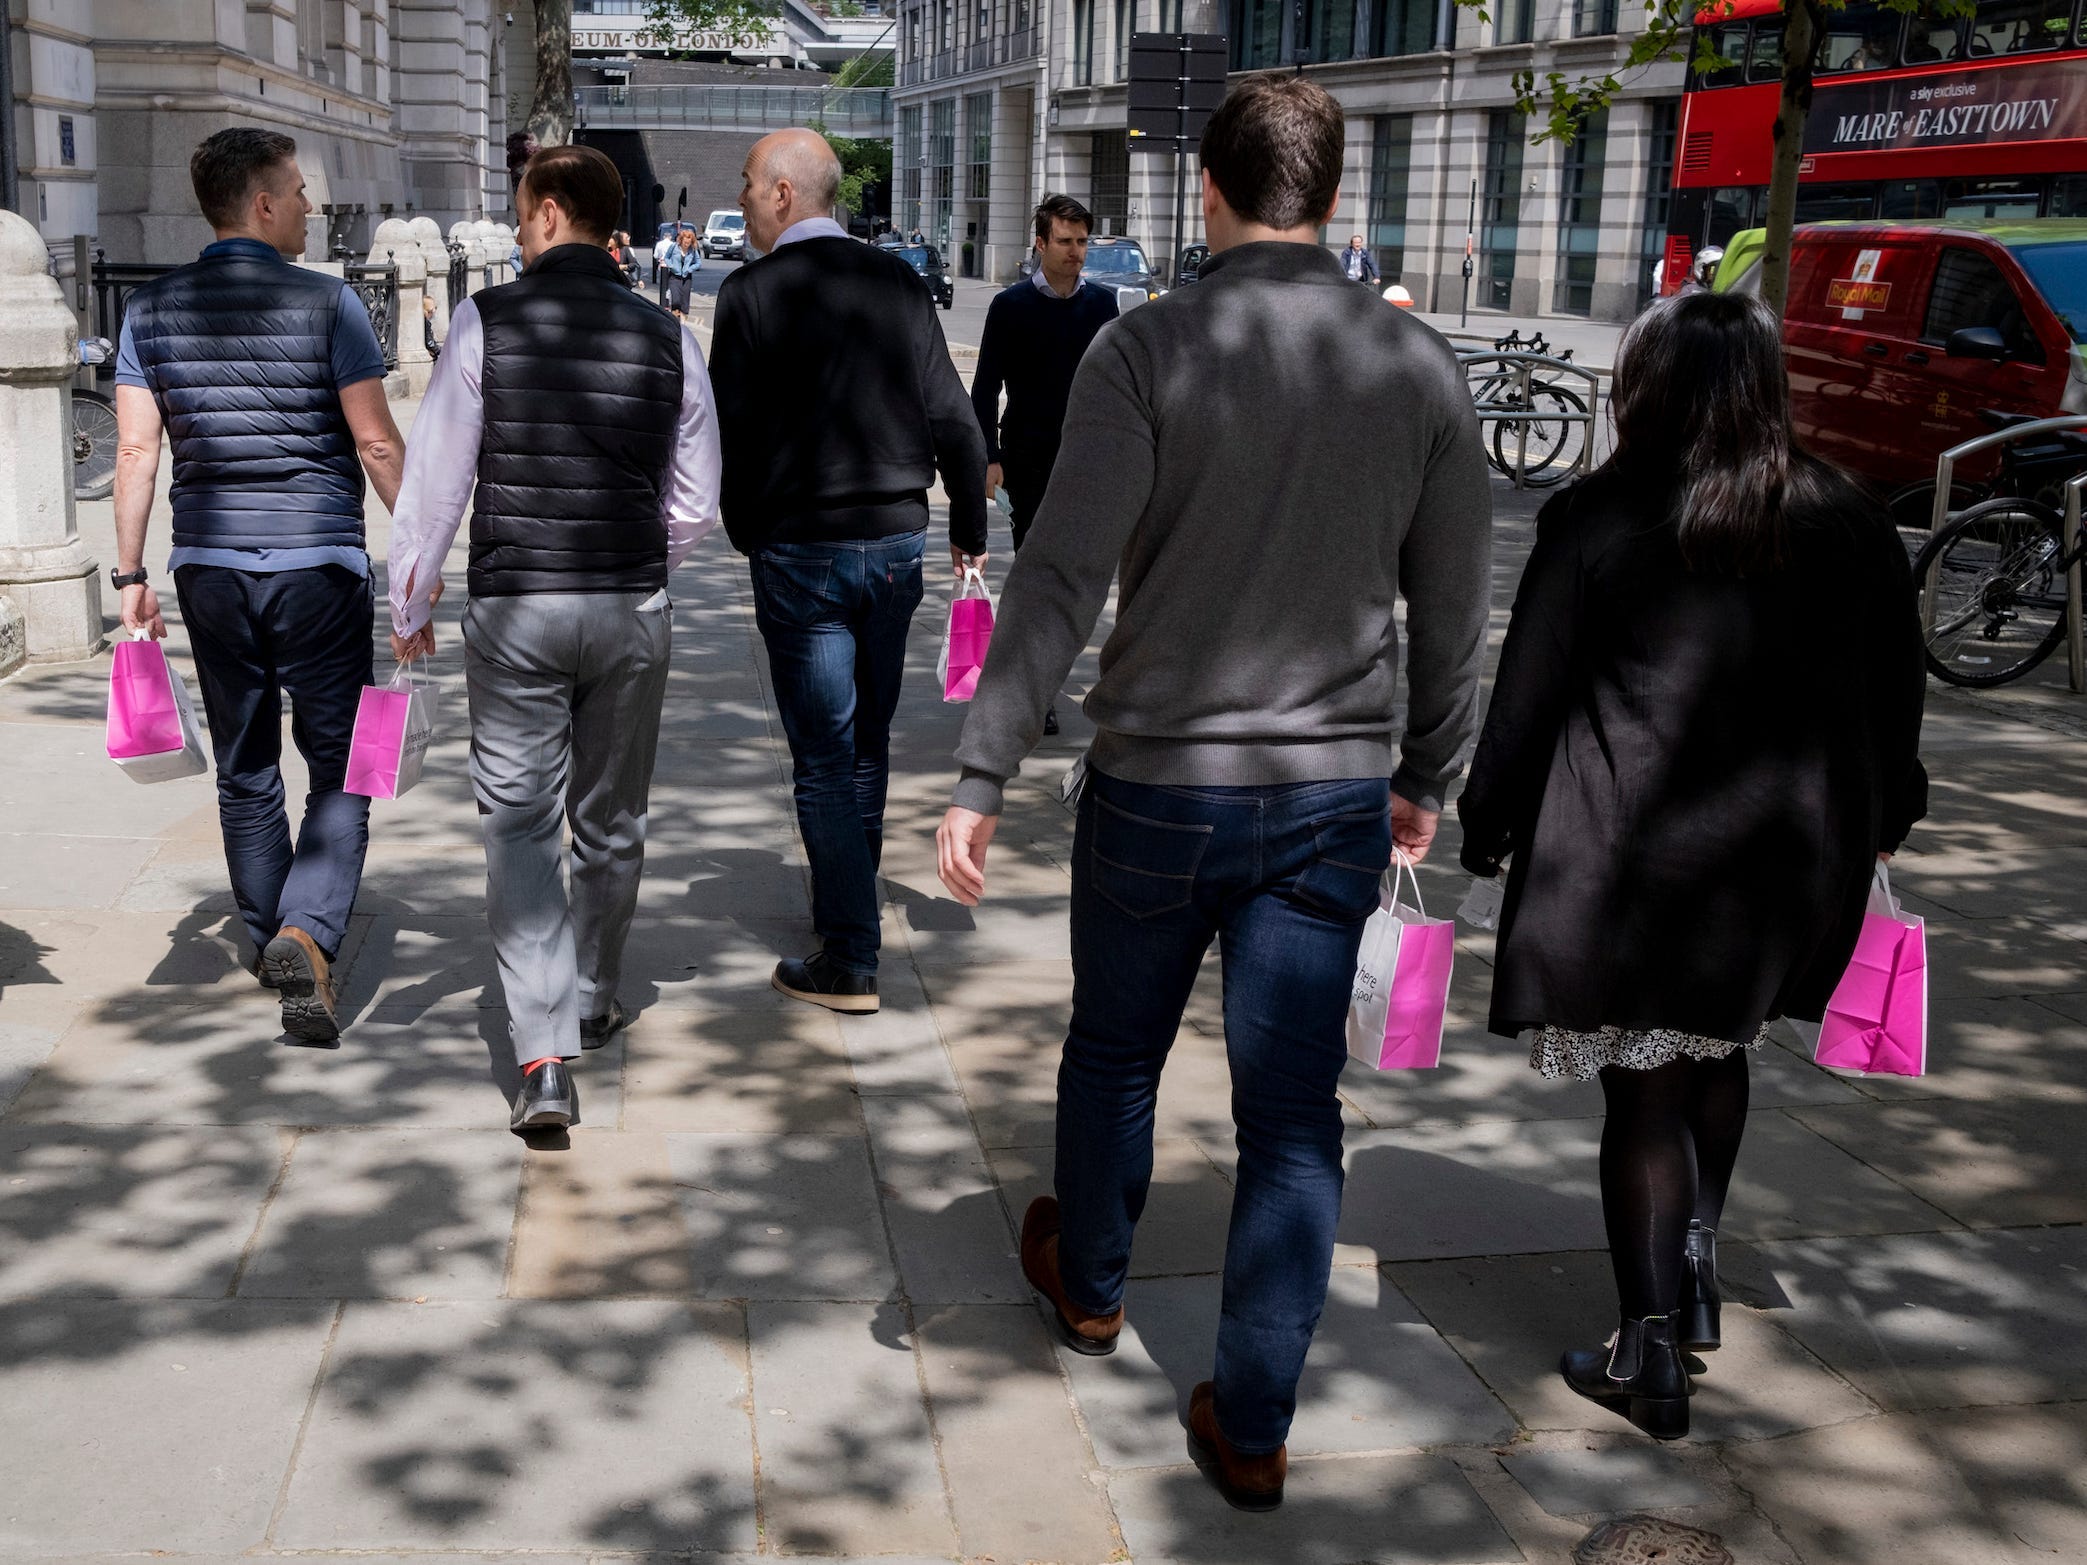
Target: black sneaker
[(597, 1033), (548, 1100), (817, 981)]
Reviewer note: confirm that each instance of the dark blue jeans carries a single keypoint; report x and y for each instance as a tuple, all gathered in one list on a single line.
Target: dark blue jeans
[(258, 636), (1283, 879), (835, 616)]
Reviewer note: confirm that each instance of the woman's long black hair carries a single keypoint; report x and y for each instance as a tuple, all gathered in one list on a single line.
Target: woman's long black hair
[(1702, 403)]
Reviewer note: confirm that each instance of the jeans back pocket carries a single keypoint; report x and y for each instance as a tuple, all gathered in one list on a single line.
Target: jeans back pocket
[(1350, 854), (1144, 868)]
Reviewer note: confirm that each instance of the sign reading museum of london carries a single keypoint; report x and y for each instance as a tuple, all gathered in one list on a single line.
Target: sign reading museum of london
[(640, 39), (2011, 103)]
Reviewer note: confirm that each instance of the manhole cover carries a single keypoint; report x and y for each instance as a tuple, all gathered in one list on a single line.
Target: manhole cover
[(1646, 1540)]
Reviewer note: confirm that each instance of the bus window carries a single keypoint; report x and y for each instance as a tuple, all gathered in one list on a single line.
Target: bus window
[(1764, 62), (1908, 200), (1731, 209), (1932, 39), (1836, 203), (1971, 291), (1860, 39), (1991, 198), (2019, 26), (2068, 197), (1728, 41)]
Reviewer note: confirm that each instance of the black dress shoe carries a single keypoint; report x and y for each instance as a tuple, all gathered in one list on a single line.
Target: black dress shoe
[(549, 1098), (1050, 721), (597, 1033), (1638, 1374), (1697, 1323), (818, 982)]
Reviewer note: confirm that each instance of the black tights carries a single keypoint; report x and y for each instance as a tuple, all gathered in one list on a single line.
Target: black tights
[(1667, 1150)]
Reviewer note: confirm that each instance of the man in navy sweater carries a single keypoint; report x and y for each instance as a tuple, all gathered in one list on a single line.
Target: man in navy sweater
[(1036, 333)]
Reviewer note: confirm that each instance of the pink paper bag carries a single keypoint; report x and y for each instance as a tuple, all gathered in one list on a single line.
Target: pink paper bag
[(152, 730), (964, 644), (1877, 1020), (1401, 994), (394, 725)]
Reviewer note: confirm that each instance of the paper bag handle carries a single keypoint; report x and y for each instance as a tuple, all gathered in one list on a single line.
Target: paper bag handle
[(1402, 868)]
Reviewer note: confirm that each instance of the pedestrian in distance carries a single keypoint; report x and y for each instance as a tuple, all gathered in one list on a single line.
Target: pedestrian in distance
[(838, 404), (661, 249), (583, 415), (1692, 813), (1036, 332), (269, 383), (1356, 264), (627, 258), (683, 262), (1246, 728)]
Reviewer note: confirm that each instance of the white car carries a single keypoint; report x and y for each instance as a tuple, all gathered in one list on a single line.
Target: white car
[(724, 233)]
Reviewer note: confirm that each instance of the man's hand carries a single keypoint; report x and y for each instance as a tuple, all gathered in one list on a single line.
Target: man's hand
[(995, 478), (961, 561), (420, 644), (141, 611), (1413, 828), (960, 852)]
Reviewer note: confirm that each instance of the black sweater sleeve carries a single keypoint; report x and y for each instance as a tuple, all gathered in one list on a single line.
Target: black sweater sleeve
[(960, 450), (988, 377)]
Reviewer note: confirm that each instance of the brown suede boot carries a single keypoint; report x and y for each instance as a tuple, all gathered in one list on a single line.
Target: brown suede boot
[(1248, 1483), (295, 967), (1081, 1330)]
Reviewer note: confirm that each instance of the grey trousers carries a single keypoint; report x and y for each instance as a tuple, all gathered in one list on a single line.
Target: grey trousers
[(565, 700)]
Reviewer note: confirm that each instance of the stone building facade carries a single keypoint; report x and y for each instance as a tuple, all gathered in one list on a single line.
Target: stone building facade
[(1031, 92), (399, 108)]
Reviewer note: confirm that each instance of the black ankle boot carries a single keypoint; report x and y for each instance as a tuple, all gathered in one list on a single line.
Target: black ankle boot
[(1637, 1374), (1696, 1322)]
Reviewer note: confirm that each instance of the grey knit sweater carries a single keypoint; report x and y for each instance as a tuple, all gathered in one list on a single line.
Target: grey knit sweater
[(1265, 461)]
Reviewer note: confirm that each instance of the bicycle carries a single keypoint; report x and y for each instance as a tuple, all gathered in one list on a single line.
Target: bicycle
[(1992, 580), (2038, 473), (1550, 454), (93, 429)]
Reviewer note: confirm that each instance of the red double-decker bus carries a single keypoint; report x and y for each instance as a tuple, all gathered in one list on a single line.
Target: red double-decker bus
[(1922, 116)]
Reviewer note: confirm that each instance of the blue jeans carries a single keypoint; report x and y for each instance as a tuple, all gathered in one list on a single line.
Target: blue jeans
[(1283, 878), (257, 637), (835, 617)]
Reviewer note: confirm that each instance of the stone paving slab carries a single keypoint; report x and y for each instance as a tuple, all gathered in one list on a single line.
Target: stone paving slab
[(149, 1424), (117, 1211), (530, 1424), (738, 1071), (23, 1049), (389, 1214), (1985, 1165), (1604, 1480), (1377, 1379), (782, 1217), (847, 1454), (604, 1222), (949, 1231), (1386, 1510)]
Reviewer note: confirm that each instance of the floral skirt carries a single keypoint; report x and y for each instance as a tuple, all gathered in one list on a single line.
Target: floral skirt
[(1558, 1051)]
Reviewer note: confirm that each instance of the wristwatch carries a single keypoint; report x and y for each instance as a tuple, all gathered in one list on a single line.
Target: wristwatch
[(121, 579)]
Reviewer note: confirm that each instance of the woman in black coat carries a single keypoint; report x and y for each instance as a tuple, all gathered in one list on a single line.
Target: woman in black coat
[(1703, 736)]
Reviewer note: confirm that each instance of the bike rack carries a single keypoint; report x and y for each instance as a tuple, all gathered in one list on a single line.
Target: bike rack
[(1524, 367), (1945, 471)]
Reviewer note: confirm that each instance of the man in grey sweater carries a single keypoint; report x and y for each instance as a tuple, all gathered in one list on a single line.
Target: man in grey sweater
[(1267, 461)]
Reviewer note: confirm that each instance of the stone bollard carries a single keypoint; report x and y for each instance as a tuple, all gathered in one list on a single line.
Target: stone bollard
[(14, 637), (502, 247), (434, 255), (394, 246), (54, 584)]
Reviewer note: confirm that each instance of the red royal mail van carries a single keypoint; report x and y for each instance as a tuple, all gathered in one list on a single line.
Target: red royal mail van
[(1897, 335)]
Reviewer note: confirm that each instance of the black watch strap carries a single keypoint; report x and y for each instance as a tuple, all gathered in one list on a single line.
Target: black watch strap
[(120, 579)]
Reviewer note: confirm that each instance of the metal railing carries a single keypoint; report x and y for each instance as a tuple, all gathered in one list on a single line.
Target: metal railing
[(378, 289), (459, 273), (1502, 393), (851, 111), (113, 284)]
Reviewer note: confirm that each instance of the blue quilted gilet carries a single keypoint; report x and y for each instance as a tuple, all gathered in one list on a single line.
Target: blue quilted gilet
[(238, 352)]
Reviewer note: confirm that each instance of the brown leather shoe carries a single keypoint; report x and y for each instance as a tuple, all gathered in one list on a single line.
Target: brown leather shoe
[(296, 968), (1081, 1330), (1248, 1483)]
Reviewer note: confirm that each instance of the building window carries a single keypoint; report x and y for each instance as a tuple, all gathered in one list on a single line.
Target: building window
[(1514, 21), (1391, 156), (1579, 215), (1500, 209), (1169, 18), (1591, 18), (909, 169), (978, 127), (1126, 22), (1661, 131), (1109, 154), (1401, 27), (1083, 43), (1257, 34), (1329, 30), (942, 170), (67, 153)]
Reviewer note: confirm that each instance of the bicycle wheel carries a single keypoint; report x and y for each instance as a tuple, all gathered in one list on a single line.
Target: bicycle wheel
[(93, 446), (1913, 507), (1555, 441), (1992, 593)]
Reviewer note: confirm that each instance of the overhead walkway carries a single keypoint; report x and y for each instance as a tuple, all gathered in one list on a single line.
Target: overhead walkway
[(860, 112)]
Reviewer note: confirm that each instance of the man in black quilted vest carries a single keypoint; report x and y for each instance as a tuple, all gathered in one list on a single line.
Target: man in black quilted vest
[(269, 383), (582, 413)]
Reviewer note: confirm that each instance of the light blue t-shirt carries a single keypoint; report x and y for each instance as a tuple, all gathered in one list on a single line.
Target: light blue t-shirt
[(357, 356)]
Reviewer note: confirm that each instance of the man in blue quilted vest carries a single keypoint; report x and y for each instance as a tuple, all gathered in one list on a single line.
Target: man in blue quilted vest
[(268, 381)]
